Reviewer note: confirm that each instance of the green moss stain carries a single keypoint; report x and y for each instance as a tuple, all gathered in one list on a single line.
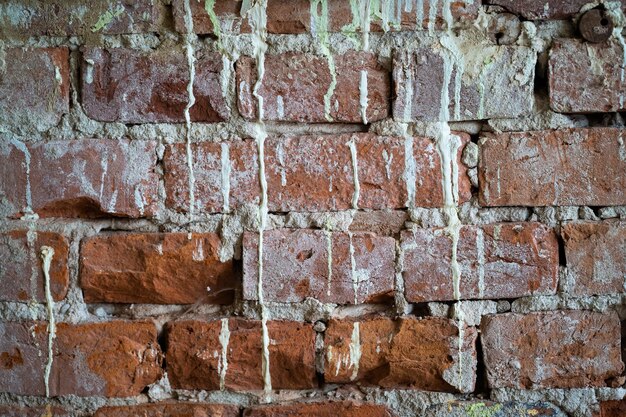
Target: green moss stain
[(319, 18), (209, 6), (482, 410), (106, 18)]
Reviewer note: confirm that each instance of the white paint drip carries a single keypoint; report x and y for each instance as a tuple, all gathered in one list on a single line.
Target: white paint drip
[(46, 256), (363, 100), (191, 99), (329, 250), (198, 253), (432, 16), (28, 210), (280, 152), (320, 29), (622, 147), (355, 350), (355, 173), (449, 43), (365, 24), (257, 18), (410, 168), (222, 364), (388, 158), (480, 256), (225, 171), (280, 107), (353, 272), (408, 94), (446, 11), (620, 38)]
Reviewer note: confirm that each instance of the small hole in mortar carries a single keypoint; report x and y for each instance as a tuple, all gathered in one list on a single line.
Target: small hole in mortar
[(604, 22)]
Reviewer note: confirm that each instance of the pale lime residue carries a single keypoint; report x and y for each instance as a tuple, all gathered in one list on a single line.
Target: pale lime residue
[(106, 18), (482, 410), (209, 6), (191, 100), (46, 256), (320, 28)]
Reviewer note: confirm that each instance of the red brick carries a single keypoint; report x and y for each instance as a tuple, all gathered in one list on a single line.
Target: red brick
[(496, 83), (86, 178), (170, 410), (75, 17), (506, 260), (154, 87), (585, 77), (570, 167), (242, 181), (407, 352), (612, 409), (542, 9), (556, 349), (481, 408), (294, 16), (34, 87), (324, 164), (114, 359), (595, 257), (156, 268), (194, 355), (21, 275), (319, 409), (297, 265), (294, 86), (43, 411)]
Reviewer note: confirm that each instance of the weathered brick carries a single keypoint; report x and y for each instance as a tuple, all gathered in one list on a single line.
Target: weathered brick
[(542, 9), (567, 167), (86, 178), (506, 260), (294, 16), (154, 87), (294, 87), (156, 268), (23, 18), (556, 349), (595, 257), (34, 86), (497, 82), (319, 409), (325, 164), (21, 273), (407, 352), (611, 409), (179, 409), (43, 411), (195, 359), (488, 408), (337, 267), (114, 359), (220, 169), (583, 76)]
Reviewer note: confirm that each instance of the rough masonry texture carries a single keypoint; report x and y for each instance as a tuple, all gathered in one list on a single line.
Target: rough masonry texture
[(302, 208)]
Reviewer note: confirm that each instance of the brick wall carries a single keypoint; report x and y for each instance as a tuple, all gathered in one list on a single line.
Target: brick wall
[(312, 208)]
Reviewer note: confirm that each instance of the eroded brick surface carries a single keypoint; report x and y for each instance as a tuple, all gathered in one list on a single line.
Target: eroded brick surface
[(553, 168), (294, 86), (555, 349), (22, 18), (494, 83), (21, 274), (195, 359), (507, 260), (407, 352), (294, 16), (542, 9), (113, 359), (34, 82), (154, 87), (170, 410), (156, 268), (87, 178), (343, 268), (319, 409), (226, 176), (595, 255), (585, 77)]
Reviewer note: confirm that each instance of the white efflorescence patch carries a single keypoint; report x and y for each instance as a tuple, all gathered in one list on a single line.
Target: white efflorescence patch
[(329, 250), (225, 172), (363, 100), (355, 173), (355, 350), (46, 256)]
